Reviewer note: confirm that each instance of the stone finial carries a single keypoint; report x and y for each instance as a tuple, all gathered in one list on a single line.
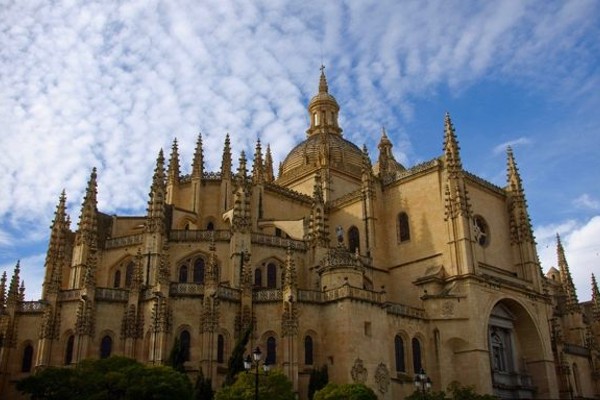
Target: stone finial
[(88, 223), (156, 204), (451, 147), (520, 223), (257, 166), (173, 171), (268, 167), (55, 256), (198, 162), (567, 281), (226, 159), (323, 87), (595, 299), (13, 290)]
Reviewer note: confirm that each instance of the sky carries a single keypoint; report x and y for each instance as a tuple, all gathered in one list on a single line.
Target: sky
[(106, 84)]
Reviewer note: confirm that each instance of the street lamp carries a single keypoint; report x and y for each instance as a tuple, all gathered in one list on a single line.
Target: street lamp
[(248, 362), (422, 382)]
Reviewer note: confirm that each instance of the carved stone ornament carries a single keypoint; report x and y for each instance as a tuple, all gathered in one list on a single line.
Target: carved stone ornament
[(359, 373), (382, 378), (448, 309)]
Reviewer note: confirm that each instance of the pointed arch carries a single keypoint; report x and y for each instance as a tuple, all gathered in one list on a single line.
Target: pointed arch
[(220, 349), (271, 358), (183, 274), (185, 341), (106, 345), (399, 354), (117, 279), (416, 355), (69, 349), (27, 358), (129, 274), (308, 350), (198, 275), (271, 275)]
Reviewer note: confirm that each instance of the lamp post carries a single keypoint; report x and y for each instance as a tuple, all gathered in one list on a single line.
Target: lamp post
[(422, 382), (255, 361)]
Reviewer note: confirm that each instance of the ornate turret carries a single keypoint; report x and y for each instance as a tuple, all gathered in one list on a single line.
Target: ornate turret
[(268, 168), (55, 257), (87, 231), (571, 302), (3, 292), (226, 159), (451, 148), (13, 296), (318, 229), (595, 299), (155, 220), (386, 165), (174, 171), (198, 162), (86, 239), (257, 166)]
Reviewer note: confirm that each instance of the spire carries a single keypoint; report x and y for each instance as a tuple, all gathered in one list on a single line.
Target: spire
[(323, 87), (290, 278), (55, 257), (520, 224), (451, 147), (595, 299), (156, 204), (565, 275), (173, 172), (268, 167), (88, 223), (242, 172), (386, 157), (13, 290), (226, 159), (198, 163), (3, 291), (257, 166)]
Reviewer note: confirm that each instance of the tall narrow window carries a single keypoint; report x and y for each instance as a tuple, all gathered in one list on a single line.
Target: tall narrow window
[(199, 271), (117, 280), (271, 276), (353, 240), (105, 347), (416, 350), (220, 349), (403, 227), (258, 277), (69, 350), (308, 350), (27, 358), (183, 274), (129, 274), (399, 353), (184, 343), (498, 352), (271, 358), (210, 226)]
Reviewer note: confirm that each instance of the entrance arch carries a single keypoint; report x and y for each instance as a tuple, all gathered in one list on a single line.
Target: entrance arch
[(520, 362)]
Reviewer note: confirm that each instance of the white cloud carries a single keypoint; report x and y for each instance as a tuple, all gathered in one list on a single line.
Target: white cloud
[(31, 273), (587, 202), (581, 242), (91, 83), (501, 148)]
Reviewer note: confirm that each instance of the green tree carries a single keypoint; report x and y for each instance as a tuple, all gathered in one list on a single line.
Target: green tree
[(319, 378), (273, 386), (114, 378), (203, 388), (235, 364), (349, 391), (454, 391)]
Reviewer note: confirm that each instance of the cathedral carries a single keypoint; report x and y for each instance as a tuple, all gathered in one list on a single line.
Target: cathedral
[(374, 269)]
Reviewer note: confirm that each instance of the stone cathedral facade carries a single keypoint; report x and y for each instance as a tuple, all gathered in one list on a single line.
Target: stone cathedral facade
[(373, 269)]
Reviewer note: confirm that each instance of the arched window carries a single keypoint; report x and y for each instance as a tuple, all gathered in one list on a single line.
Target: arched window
[(105, 347), (117, 280), (199, 271), (210, 226), (69, 350), (353, 240), (271, 276), (183, 273), (498, 352), (308, 350), (399, 354), (129, 274), (184, 343), (220, 349), (403, 227), (27, 358), (416, 350), (257, 277), (271, 358)]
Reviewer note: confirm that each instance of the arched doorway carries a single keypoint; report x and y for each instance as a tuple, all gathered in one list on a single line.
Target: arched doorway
[(517, 354)]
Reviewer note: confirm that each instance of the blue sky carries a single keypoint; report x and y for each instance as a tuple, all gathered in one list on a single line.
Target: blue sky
[(107, 84)]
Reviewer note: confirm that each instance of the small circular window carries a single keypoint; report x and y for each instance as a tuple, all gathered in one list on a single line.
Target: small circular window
[(481, 230)]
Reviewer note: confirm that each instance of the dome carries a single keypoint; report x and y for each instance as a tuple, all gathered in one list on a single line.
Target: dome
[(323, 150)]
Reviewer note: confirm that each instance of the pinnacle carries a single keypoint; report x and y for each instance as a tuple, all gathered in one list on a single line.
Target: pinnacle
[(323, 87)]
